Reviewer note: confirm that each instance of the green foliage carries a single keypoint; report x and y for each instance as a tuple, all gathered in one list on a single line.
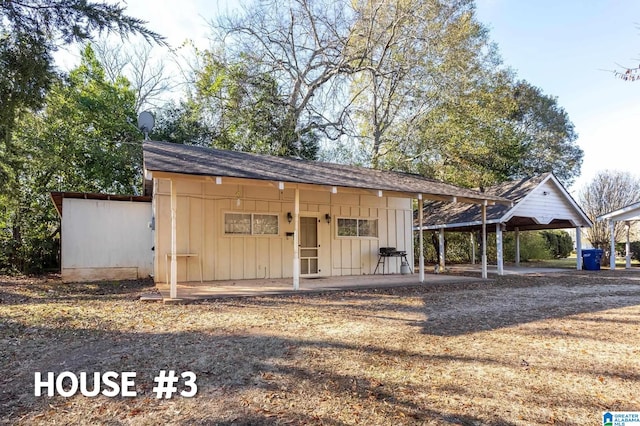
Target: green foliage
[(547, 135), (236, 107), (533, 246), (634, 249), (82, 140), (559, 243), (30, 31), (182, 123)]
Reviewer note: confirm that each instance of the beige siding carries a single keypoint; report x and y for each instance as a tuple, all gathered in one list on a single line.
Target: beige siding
[(200, 218)]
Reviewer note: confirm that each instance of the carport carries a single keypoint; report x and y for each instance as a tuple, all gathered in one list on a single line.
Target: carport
[(540, 202), (627, 215)]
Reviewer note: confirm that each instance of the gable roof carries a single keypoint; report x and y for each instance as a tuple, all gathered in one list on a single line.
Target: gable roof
[(456, 217), (195, 160), (630, 212)]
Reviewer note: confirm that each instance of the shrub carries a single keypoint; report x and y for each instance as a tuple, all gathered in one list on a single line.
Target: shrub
[(533, 246), (634, 249), (559, 243)]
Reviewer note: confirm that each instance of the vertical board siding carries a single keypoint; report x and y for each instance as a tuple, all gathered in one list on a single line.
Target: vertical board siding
[(200, 215), (106, 239)]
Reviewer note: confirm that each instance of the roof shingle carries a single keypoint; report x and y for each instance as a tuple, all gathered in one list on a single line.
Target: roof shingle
[(196, 160)]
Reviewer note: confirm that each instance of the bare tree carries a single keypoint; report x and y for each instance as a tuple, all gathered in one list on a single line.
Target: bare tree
[(148, 76), (302, 44), (609, 190)]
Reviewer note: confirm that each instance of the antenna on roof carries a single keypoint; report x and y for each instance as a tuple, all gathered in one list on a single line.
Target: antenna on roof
[(146, 123)]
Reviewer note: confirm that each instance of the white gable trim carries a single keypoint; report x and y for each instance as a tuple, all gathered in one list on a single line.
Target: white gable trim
[(629, 212), (513, 212)]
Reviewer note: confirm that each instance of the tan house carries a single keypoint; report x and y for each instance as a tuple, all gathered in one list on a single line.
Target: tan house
[(223, 215)]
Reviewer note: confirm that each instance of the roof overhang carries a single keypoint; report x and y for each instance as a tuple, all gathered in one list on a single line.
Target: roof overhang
[(173, 161), (630, 212), (281, 184), (512, 225), (57, 197)]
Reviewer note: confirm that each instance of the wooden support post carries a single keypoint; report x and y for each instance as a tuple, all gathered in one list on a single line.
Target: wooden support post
[(578, 248), (421, 237), (442, 253), (484, 240), (517, 246), (173, 286), (499, 254), (627, 246), (612, 259), (473, 248), (296, 241)]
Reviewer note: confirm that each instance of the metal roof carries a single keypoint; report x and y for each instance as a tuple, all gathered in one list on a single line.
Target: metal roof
[(57, 197), (196, 160)]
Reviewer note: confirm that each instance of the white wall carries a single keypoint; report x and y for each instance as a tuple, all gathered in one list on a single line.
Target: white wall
[(105, 240), (546, 203)]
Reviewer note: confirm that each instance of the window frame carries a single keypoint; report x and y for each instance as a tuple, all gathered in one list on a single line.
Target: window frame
[(358, 219), (251, 232)]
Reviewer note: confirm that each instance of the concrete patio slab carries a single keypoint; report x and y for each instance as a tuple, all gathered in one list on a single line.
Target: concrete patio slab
[(261, 287), (508, 270)]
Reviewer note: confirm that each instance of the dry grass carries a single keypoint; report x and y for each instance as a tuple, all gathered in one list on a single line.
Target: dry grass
[(518, 350)]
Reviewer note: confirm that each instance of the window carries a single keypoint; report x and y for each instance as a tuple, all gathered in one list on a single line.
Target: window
[(347, 227), (251, 224), (265, 224), (357, 227), (237, 223), (367, 227)]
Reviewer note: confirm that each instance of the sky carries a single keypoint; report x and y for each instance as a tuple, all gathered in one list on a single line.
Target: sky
[(568, 48)]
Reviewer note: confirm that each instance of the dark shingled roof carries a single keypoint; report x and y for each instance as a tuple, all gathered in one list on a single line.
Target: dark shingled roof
[(467, 217), (196, 160)]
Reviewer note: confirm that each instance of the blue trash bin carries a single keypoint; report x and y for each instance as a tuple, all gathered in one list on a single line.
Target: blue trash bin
[(591, 259)]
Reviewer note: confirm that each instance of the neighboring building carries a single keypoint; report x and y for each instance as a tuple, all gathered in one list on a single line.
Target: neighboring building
[(628, 214), (223, 215), (104, 237)]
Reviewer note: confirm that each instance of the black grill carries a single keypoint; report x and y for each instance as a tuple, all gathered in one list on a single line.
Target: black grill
[(386, 252), (391, 252)]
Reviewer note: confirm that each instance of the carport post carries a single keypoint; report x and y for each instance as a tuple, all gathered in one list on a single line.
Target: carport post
[(173, 287), (484, 239), (517, 246), (499, 256), (578, 248), (612, 231), (441, 246), (473, 248), (421, 237), (296, 241), (627, 246)]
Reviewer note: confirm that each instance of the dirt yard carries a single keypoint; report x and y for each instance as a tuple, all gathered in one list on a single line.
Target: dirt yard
[(555, 349)]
